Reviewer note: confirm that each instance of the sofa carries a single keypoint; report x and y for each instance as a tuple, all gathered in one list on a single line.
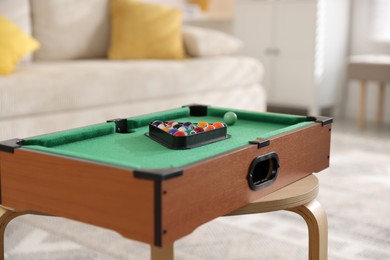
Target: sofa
[(70, 81)]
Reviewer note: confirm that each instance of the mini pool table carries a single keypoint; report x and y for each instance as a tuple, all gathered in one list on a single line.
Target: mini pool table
[(115, 176)]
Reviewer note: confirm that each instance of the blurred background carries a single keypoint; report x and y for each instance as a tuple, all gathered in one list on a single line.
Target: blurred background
[(305, 47)]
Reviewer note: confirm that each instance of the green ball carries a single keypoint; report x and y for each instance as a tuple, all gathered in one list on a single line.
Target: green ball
[(230, 118)]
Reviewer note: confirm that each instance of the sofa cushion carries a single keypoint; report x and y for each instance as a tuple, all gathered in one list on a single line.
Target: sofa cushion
[(70, 29), (145, 31), (44, 87), (14, 44)]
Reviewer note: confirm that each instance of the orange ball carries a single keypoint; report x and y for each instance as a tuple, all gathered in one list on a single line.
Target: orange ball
[(218, 125), (209, 128)]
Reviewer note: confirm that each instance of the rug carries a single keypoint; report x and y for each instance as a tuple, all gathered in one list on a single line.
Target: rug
[(354, 190)]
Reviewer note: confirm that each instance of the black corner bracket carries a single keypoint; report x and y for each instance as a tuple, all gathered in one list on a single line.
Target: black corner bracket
[(320, 119), (197, 109), (10, 145), (120, 125), (260, 143), (157, 174)]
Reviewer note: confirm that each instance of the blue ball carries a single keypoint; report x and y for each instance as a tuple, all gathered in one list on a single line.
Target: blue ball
[(188, 125), (173, 130), (156, 123)]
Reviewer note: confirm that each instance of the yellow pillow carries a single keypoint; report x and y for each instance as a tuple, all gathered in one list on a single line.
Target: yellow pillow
[(14, 44), (141, 30)]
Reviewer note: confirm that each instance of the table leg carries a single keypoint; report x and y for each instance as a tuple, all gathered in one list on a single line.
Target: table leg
[(161, 253), (362, 112), (6, 216), (381, 103), (317, 223)]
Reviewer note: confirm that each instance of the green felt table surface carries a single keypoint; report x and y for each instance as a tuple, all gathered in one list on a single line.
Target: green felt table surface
[(100, 143)]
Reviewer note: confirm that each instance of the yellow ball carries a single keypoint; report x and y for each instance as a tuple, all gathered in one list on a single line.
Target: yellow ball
[(202, 124)]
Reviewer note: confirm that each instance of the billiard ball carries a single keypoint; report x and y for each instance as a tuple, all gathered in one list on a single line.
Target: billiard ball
[(190, 132), (156, 123), (173, 130), (230, 118), (161, 126), (188, 125), (180, 133), (218, 125), (209, 128), (202, 124), (172, 123), (198, 129)]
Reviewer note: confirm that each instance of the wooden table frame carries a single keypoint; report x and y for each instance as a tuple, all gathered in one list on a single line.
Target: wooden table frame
[(298, 197), (152, 207)]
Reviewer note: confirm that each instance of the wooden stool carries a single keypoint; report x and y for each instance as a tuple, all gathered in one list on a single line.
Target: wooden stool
[(299, 197), (366, 68)]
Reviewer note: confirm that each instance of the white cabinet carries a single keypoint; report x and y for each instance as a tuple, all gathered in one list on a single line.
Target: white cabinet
[(303, 62)]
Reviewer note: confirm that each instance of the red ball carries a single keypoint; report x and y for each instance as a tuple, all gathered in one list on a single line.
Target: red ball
[(180, 133), (172, 123), (199, 129)]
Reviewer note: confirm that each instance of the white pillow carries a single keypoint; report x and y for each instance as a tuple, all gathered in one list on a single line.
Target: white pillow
[(200, 42)]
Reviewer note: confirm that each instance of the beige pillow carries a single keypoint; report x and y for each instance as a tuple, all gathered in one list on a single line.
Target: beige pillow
[(71, 29), (200, 42)]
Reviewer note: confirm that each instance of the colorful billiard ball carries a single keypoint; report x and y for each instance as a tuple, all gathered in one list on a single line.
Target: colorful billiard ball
[(209, 128), (156, 123), (218, 125), (180, 133), (190, 132), (188, 125), (230, 118), (161, 126), (198, 129), (172, 123), (173, 130), (202, 124)]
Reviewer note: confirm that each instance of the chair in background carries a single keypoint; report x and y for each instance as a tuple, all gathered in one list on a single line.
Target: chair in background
[(370, 68)]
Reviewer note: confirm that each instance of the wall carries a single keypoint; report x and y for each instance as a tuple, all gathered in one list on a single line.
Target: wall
[(335, 48), (361, 43)]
